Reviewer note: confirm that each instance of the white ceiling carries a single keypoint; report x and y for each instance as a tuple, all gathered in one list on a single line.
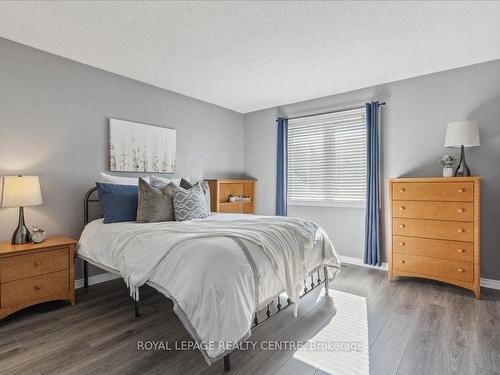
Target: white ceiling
[(248, 56)]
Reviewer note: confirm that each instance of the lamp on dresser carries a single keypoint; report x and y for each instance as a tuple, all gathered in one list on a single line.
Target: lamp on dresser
[(462, 134), (21, 191), (435, 230)]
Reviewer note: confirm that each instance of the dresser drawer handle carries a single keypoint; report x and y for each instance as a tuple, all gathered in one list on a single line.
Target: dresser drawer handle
[(402, 261), (402, 225), (38, 286), (460, 210), (461, 190), (401, 243), (37, 263), (461, 270), (460, 230), (402, 208), (461, 250), (402, 190)]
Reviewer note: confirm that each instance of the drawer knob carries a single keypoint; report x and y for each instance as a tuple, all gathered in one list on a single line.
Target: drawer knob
[(461, 250), (460, 230), (38, 286), (461, 190), (401, 225), (402, 190), (402, 208), (401, 243), (37, 263), (460, 210), (402, 261), (461, 270)]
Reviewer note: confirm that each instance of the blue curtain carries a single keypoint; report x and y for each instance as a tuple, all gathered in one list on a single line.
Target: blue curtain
[(282, 167), (372, 210)]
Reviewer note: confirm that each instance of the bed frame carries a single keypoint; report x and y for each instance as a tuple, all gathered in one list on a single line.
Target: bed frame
[(91, 197)]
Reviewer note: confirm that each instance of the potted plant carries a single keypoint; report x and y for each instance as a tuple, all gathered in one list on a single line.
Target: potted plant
[(447, 162)]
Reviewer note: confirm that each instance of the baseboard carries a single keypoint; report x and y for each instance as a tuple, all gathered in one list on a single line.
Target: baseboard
[(97, 279), (490, 283), (359, 262), (486, 283), (107, 276)]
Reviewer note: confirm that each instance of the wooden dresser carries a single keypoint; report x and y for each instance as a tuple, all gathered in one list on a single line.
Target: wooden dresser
[(35, 273), (435, 229), (221, 190)]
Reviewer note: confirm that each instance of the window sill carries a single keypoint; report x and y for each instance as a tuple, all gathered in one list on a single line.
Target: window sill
[(346, 204)]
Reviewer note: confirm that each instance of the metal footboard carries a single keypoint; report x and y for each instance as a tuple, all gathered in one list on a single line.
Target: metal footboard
[(309, 285)]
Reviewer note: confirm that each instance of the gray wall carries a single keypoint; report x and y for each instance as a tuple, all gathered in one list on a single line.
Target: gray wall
[(413, 129), (53, 123)]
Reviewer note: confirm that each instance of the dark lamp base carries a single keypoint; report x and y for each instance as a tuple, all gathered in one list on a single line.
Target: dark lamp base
[(21, 234), (462, 169)]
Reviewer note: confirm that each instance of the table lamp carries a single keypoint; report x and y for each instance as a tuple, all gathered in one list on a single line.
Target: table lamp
[(462, 134), (21, 191)]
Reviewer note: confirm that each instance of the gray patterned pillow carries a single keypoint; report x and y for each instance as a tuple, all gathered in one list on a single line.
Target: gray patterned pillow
[(189, 204), (154, 204), (206, 190)]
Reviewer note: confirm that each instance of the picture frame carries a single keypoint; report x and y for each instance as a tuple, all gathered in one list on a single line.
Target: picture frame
[(139, 147)]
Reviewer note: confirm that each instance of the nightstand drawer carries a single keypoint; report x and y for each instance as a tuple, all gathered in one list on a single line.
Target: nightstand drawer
[(456, 211), (433, 191), (35, 288), (440, 268), (23, 266), (444, 230)]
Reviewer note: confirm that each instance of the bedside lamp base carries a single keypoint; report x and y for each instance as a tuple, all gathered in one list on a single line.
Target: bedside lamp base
[(21, 234)]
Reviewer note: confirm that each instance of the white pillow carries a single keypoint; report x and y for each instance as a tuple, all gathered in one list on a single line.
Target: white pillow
[(157, 181), (118, 180)]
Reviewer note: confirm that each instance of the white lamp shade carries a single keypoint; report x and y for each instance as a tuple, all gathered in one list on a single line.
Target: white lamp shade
[(21, 191), (462, 133)]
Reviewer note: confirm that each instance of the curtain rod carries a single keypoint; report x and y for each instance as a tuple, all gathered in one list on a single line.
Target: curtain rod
[(335, 111)]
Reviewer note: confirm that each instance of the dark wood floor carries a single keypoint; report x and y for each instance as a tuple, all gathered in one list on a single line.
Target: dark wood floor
[(410, 326)]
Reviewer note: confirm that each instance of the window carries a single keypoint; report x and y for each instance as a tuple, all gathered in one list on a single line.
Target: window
[(327, 159)]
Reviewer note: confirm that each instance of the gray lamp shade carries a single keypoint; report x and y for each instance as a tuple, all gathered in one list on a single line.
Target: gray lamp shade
[(462, 133)]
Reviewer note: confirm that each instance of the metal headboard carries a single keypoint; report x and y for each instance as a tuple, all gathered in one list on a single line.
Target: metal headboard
[(86, 201)]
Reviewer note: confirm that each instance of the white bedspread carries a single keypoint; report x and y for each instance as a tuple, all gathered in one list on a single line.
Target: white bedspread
[(215, 285)]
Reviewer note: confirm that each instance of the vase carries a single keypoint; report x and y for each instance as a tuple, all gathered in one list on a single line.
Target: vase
[(447, 172)]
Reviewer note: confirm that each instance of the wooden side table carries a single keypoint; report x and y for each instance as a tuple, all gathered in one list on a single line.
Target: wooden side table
[(34, 273), (222, 189)]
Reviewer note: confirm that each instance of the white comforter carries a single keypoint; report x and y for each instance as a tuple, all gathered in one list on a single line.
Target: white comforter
[(215, 281)]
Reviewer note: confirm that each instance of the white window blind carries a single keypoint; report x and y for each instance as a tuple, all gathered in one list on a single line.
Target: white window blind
[(327, 158)]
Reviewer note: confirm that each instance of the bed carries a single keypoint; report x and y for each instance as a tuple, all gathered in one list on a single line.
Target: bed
[(234, 264)]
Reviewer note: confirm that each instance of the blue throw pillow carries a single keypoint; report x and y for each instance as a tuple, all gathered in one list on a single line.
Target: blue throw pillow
[(118, 202)]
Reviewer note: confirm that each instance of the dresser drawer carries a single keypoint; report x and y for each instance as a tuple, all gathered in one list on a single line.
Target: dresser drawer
[(458, 211), (441, 268), (433, 191), (453, 250), (445, 230), (34, 288), (22, 266)]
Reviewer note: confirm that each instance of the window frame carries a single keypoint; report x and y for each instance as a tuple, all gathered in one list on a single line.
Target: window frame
[(323, 202)]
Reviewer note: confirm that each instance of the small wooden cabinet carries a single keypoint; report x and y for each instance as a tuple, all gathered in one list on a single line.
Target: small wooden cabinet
[(34, 273), (221, 190), (435, 229)]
